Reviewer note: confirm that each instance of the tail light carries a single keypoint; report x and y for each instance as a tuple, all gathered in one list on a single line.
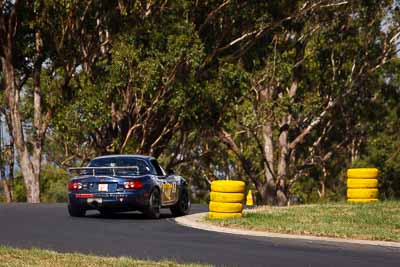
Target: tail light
[(134, 184), (84, 195), (74, 186)]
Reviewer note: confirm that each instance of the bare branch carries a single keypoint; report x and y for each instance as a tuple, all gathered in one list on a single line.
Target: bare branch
[(335, 4), (312, 125), (67, 160), (260, 146), (167, 129), (258, 33), (213, 13), (395, 37), (237, 40), (227, 139), (133, 128)]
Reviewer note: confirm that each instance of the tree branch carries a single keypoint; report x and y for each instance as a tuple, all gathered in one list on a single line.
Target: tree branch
[(227, 139), (212, 14), (312, 125), (133, 128)]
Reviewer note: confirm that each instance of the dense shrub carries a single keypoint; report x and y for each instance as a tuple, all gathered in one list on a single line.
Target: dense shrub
[(53, 185)]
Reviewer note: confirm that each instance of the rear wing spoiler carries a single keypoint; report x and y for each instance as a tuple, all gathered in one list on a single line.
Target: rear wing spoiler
[(93, 170)]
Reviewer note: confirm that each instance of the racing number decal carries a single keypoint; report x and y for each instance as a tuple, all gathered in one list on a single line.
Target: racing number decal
[(168, 192)]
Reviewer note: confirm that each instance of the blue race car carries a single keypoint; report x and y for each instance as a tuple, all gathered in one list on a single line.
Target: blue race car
[(119, 183)]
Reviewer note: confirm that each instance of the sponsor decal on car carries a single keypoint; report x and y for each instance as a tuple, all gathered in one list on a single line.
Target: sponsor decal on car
[(168, 191)]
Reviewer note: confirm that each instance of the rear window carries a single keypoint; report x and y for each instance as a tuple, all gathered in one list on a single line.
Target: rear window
[(139, 166)]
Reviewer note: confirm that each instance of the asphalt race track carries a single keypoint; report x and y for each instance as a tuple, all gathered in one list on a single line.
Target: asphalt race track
[(131, 234)]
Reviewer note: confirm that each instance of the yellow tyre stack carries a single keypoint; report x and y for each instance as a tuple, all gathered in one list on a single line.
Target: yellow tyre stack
[(226, 199), (362, 185)]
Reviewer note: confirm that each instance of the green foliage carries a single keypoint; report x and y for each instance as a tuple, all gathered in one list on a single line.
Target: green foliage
[(383, 152), (53, 185), (19, 191), (165, 78), (382, 146)]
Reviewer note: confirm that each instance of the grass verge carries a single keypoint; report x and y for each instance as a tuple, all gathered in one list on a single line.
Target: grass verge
[(370, 221), (10, 257)]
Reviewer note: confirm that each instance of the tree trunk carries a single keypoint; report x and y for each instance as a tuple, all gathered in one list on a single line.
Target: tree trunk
[(267, 192), (28, 170), (31, 180), (354, 150), (7, 190), (268, 189), (281, 192), (8, 160), (6, 186), (10, 157), (321, 190)]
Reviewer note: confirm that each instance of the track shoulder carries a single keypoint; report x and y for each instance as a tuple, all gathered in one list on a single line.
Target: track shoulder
[(197, 221)]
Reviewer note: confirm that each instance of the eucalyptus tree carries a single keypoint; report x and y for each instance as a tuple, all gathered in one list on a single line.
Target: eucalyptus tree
[(149, 90), (314, 68), (42, 44), (274, 83)]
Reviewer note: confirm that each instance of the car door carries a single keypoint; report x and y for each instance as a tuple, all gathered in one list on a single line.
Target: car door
[(169, 190)]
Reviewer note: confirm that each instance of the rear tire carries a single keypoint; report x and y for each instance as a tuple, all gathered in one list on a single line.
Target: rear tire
[(75, 211), (153, 210), (183, 206)]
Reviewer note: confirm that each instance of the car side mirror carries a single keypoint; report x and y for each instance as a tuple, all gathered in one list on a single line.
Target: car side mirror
[(170, 172)]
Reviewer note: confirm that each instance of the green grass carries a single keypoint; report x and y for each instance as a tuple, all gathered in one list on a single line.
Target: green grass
[(372, 221), (11, 257)]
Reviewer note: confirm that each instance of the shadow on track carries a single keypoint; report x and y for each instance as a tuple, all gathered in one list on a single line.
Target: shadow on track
[(136, 215), (125, 216)]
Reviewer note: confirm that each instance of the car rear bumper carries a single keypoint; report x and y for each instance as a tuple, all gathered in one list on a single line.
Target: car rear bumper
[(121, 201)]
